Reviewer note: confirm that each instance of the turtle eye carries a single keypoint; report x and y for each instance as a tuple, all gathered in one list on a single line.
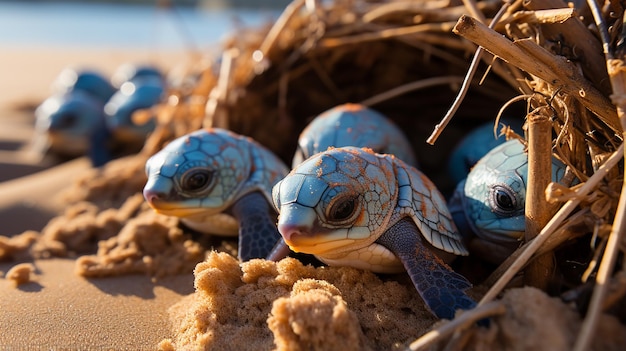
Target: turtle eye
[(342, 209), (503, 200), (196, 180)]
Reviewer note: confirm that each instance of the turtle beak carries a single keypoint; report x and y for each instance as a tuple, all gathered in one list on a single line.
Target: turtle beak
[(158, 190), (295, 221)]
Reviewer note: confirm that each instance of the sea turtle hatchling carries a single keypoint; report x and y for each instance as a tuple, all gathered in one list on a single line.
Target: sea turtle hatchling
[(490, 202), (66, 124), (219, 183), (349, 206), (141, 93), (353, 125)]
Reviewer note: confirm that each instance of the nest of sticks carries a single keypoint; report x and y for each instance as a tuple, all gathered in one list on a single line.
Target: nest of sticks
[(436, 68)]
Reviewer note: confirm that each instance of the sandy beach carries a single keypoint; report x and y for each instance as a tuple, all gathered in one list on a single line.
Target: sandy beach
[(58, 308)]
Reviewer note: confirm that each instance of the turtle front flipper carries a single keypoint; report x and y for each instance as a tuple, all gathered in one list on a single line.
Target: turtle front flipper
[(257, 229), (279, 251), (442, 289)]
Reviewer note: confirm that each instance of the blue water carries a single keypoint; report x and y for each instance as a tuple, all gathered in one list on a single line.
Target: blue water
[(122, 26)]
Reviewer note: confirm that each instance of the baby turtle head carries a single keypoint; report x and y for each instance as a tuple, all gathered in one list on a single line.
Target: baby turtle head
[(198, 173), (494, 194), (68, 121), (335, 201)]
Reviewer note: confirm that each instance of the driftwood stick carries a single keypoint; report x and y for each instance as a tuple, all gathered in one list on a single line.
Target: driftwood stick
[(530, 58), (568, 231), (538, 211), (552, 225), (573, 227)]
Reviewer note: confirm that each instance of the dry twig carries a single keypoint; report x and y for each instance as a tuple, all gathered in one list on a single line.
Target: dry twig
[(463, 321)]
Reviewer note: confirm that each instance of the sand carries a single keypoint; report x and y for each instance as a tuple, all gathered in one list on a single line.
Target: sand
[(52, 306), (59, 309)]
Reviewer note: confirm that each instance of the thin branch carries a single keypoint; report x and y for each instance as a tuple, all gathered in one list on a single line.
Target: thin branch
[(214, 117), (604, 32), (465, 86), (405, 88), (461, 322), (568, 231), (386, 34), (603, 277), (270, 40)]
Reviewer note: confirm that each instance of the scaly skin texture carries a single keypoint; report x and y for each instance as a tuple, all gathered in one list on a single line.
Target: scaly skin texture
[(353, 125), (341, 205), (490, 202), (220, 183)]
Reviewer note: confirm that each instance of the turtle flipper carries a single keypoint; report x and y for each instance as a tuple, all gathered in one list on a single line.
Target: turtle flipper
[(279, 251), (442, 289), (257, 230)]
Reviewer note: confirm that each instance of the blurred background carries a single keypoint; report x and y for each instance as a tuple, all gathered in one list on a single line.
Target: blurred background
[(39, 39)]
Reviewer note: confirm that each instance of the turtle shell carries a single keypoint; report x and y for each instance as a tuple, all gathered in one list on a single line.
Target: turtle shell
[(353, 125)]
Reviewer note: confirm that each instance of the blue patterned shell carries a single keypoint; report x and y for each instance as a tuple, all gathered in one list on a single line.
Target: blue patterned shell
[(353, 125)]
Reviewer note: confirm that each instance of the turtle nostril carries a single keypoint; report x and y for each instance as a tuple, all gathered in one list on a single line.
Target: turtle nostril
[(151, 196), (289, 232)]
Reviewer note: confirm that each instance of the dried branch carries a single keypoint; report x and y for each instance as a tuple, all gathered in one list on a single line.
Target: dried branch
[(466, 83), (574, 226), (461, 322), (574, 33), (538, 211), (537, 61), (403, 89), (386, 34)]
